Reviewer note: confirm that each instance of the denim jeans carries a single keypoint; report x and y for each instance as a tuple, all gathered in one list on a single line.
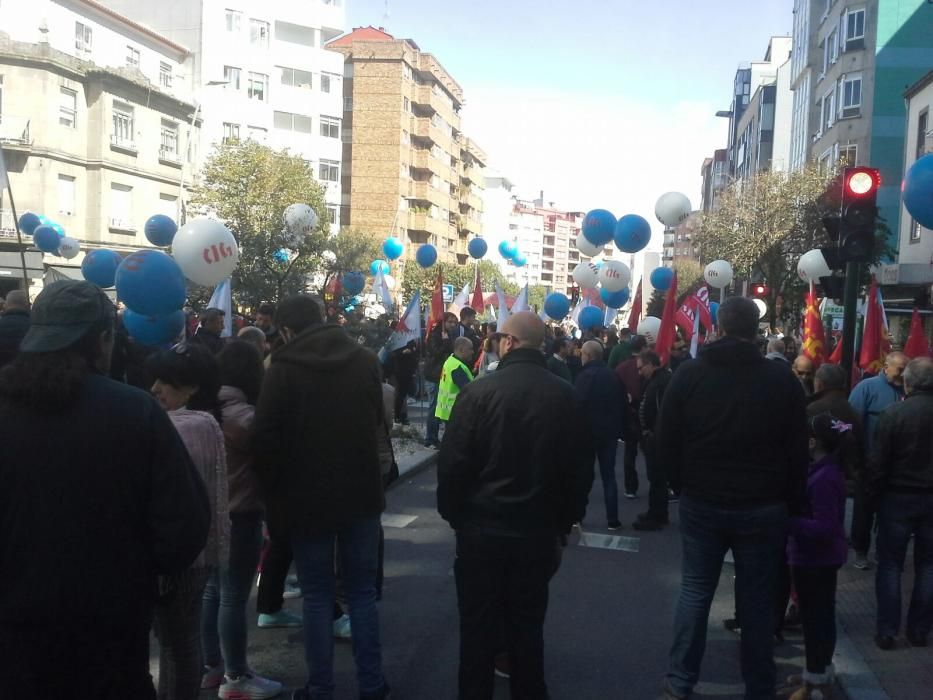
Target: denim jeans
[(223, 610), (357, 546), (900, 516), (757, 538), (606, 456), (431, 422)]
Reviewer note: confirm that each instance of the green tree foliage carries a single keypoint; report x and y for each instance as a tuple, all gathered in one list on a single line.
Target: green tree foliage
[(353, 251), (248, 186)]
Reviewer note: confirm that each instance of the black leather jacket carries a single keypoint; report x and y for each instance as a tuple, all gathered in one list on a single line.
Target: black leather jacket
[(902, 453)]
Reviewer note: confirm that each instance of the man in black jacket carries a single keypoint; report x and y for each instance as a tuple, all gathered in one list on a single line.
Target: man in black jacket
[(899, 478), (515, 469), (649, 410), (317, 428), (208, 333), (733, 436), (829, 383), (14, 322), (99, 497)]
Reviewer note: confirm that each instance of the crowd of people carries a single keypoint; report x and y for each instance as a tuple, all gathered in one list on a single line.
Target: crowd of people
[(127, 511)]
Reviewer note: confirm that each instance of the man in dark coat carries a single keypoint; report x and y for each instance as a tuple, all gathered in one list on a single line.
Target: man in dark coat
[(602, 398), (14, 322), (317, 427), (829, 383), (649, 410), (208, 333), (733, 436), (634, 385), (514, 473)]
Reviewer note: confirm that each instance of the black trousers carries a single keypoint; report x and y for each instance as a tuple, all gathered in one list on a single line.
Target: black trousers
[(816, 596), (503, 579), (404, 384), (657, 483), (275, 568), (863, 518), (631, 454)]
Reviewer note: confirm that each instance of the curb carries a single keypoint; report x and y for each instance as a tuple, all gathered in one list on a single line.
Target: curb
[(416, 468)]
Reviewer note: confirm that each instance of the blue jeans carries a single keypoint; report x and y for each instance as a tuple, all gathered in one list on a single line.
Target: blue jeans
[(900, 516), (358, 548), (431, 422), (223, 611), (757, 538), (606, 456)]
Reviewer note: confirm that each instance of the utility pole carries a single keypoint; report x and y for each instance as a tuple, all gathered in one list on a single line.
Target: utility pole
[(850, 306)]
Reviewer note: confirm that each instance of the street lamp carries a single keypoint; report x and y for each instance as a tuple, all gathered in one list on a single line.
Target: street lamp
[(188, 151)]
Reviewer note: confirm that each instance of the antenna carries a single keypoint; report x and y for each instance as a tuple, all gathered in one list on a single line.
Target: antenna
[(385, 15)]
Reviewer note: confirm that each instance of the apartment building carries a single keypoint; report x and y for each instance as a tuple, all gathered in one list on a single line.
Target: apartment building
[(915, 251), (408, 169), (260, 71), (93, 108)]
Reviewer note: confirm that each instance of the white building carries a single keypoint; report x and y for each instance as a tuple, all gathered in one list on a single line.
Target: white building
[(915, 252), (261, 71)]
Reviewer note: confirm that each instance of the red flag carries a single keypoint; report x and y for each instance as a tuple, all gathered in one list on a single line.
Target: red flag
[(478, 304), (696, 303), (667, 331), (814, 337), (916, 345), (874, 342), (635, 314), (437, 305)]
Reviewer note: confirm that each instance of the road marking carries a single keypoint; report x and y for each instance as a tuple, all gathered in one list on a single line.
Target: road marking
[(394, 520), (617, 542)]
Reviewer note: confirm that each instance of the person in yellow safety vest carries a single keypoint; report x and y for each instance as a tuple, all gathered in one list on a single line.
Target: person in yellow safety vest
[(455, 375)]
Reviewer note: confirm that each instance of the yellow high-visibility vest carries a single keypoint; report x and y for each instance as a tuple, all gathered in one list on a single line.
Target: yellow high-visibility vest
[(447, 388)]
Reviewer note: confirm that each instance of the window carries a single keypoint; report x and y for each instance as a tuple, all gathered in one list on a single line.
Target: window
[(294, 33), (849, 154), (325, 82), (406, 71), (258, 86), (121, 206), (233, 21), (123, 134), (330, 127), (329, 171), (259, 33), (347, 104), (66, 195), (851, 95), (406, 138), (332, 216), (406, 105), (855, 29), (292, 122), (915, 231), (295, 78), (257, 133), (82, 37), (168, 205), (232, 78), (165, 74), (132, 57), (169, 148), (923, 121), (829, 109), (832, 42), (68, 108), (231, 132)]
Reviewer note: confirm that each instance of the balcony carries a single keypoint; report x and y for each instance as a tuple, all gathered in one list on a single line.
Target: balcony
[(169, 156), (14, 132), (122, 225), (421, 221), (425, 192), (423, 160), (471, 173), (422, 127), (123, 144), (469, 198), (468, 224)]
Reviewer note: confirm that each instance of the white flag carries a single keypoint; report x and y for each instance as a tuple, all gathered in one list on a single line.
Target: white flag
[(503, 307), (575, 314), (381, 290), (521, 302), (409, 325), (221, 299), (610, 316), (461, 300)]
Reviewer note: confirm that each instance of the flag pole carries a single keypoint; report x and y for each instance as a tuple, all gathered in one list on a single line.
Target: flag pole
[(19, 236)]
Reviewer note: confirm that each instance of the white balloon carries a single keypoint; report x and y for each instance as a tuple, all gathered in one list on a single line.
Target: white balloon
[(587, 248), (206, 251), (329, 256), (762, 307), (614, 275), (649, 327), (718, 274), (586, 274), (68, 248), (390, 281), (300, 220), (672, 208), (812, 266)]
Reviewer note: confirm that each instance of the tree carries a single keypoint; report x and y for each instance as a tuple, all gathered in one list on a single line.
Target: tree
[(351, 251), (416, 278), (248, 186)]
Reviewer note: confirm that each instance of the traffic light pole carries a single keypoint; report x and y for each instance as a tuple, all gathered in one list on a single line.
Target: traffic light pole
[(850, 306)]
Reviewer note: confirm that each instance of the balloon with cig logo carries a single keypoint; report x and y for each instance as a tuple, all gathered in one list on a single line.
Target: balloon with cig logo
[(508, 250), (68, 248), (206, 251), (615, 300), (519, 260), (160, 230), (649, 328), (614, 275), (588, 249), (29, 222), (590, 316), (812, 265), (599, 226), (718, 274), (632, 233), (154, 330), (378, 265), (672, 208), (45, 238), (586, 274), (150, 283)]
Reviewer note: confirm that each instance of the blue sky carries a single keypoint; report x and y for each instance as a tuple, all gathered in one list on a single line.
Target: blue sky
[(597, 102)]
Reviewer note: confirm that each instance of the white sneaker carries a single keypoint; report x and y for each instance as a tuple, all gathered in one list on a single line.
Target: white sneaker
[(342, 627), (291, 592), (249, 687)]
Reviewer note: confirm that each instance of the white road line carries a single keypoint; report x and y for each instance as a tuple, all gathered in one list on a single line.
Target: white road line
[(617, 542), (396, 520)]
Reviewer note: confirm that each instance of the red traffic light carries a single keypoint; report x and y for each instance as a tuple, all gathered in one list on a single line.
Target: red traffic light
[(862, 182), (760, 291)]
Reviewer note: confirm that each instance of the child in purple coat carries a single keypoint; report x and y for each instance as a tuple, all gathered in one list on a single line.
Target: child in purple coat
[(816, 549)]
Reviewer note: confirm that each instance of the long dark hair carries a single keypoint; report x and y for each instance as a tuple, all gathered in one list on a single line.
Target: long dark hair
[(189, 364), (240, 365), (53, 381)]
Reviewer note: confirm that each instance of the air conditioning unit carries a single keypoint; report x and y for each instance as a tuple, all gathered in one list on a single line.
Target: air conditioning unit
[(122, 224)]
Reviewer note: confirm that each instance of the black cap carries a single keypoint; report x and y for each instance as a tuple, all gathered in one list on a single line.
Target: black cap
[(63, 313)]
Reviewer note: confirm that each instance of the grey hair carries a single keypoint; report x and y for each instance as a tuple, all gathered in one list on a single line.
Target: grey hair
[(918, 375), (777, 345), (831, 376)]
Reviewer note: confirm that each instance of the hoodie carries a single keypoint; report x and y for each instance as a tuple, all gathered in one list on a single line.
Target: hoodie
[(316, 429), (733, 429)]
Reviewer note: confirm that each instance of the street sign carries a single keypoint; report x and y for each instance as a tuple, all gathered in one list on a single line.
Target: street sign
[(447, 292)]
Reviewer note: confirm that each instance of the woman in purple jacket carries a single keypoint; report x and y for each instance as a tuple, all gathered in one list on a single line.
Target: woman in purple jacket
[(816, 549)]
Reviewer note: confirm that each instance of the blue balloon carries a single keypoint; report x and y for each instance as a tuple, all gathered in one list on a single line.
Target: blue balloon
[(599, 227), (281, 255), (590, 316), (393, 248), (615, 300), (426, 255), (378, 265), (556, 305), (29, 222), (519, 260), (160, 229), (508, 250), (632, 233), (714, 311), (353, 283), (154, 330), (100, 267), (477, 248), (45, 239), (661, 278), (918, 190), (59, 229), (44, 220), (150, 283)]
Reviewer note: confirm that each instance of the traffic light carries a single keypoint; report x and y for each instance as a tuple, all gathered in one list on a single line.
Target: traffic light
[(760, 290), (858, 214)]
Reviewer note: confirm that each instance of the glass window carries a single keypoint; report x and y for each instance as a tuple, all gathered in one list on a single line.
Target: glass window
[(855, 25), (347, 104), (66, 195), (829, 109), (291, 122), (851, 96), (258, 87), (915, 230), (232, 77), (259, 33), (330, 127), (294, 33), (833, 44), (165, 74), (169, 147), (295, 78), (332, 216), (406, 105), (68, 108), (83, 37), (121, 206), (257, 133), (132, 57), (329, 171), (234, 19), (849, 154), (231, 132), (325, 82), (123, 134), (168, 205), (922, 126)]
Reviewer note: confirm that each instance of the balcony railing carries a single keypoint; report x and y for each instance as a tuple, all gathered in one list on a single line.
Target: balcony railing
[(169, 155), (122, 142), (14, 131)]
